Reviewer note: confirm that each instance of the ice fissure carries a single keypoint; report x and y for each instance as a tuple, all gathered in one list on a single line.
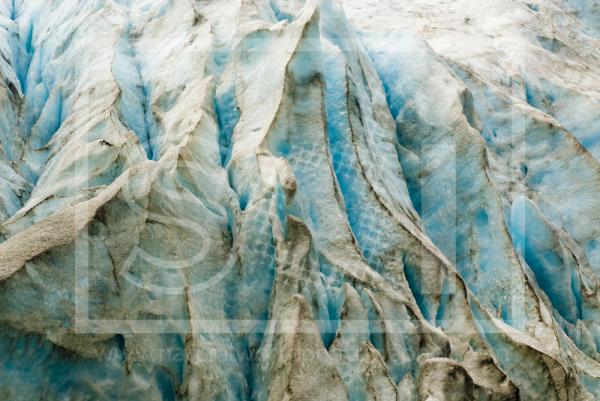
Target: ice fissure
[(271, 200)]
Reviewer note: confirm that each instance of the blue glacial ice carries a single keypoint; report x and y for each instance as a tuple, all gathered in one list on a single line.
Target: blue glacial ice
[(299, 200)]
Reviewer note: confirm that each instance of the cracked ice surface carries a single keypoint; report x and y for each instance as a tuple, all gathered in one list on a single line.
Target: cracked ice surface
[(299, 200)]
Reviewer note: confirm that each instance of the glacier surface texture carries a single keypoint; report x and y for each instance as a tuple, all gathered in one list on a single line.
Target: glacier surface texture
[(308, 200)]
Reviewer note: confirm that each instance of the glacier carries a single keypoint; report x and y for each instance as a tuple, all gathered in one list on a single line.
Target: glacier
[(272, 200)]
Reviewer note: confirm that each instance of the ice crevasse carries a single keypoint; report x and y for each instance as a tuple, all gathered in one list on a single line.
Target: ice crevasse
[(299, 200)]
